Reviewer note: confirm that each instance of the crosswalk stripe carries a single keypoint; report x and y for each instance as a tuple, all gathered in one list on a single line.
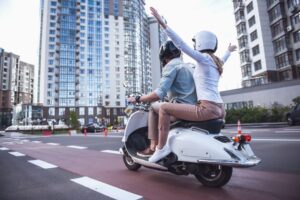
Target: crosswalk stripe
[(76, 147), (42, 164), (4, 149), (111, 151), (54, 144), (17, 154), (106, 189)]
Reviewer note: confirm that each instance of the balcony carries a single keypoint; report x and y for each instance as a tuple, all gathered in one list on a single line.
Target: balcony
[(238, 6)]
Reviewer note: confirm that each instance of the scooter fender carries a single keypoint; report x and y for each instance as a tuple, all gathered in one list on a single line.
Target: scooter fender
[(192, 145), (138, 119)]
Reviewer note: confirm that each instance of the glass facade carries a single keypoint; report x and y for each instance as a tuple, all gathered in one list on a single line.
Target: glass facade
[(87, 49)]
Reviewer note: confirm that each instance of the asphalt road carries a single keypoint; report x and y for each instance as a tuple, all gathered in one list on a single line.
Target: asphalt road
[(82, 160)]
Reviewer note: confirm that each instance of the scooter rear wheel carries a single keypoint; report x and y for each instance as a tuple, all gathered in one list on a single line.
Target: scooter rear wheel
[(214, 175), (130, 164)]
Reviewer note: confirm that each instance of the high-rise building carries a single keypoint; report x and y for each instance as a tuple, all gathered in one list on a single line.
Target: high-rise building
[(269, 40), (82, 58), (137, 47), (16, 84)]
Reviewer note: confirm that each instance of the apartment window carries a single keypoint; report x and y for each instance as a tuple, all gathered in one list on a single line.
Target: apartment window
[(51, 111), (99, 111), (53, 10), (283, 60), (253, 35), (296, 18), (275, 12), (250, 7), (246, 70), (270, 2), (239, 15), (251, 21), (81, 111), (277, 28), (296, 36), (61, 111), (243, 42), (298, 54), (279, 44), (257, 65), (91, 111), (293, 3), (53, 3), (244, 56), (255, 50)]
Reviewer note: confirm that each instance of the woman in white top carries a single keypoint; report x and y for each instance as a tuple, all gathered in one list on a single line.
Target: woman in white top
[(206, 76)]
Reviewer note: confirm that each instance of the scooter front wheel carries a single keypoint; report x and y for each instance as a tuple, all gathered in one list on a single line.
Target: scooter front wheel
[(130, 164), (213, 175)]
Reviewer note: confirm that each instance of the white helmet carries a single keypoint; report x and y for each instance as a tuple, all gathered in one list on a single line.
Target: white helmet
[(205, 40)]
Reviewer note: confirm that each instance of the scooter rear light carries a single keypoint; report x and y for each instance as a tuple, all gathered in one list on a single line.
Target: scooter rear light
[(247, 138)]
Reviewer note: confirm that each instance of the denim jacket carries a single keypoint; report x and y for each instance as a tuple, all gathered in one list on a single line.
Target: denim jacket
[(177, 82)]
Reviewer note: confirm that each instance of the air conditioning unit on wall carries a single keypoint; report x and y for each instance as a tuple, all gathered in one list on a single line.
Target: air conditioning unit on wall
[(289, 28)]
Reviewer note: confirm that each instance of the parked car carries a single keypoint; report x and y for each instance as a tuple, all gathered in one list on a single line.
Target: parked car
[(293, 116), (92, 128)]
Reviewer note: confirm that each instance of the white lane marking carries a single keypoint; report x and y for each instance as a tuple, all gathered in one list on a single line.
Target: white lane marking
[(76, 147), (24, 140), (36, 141), (291, 129), (7, 142), (17, 154), (288, 131), (4, 149), (54, 144), (105, 189), (277, 140), (42, 164), (111, 151)]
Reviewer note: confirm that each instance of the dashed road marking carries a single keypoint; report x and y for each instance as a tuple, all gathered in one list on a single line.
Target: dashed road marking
[(42, 164), (51, 143), (111, 151), (17, 154), (36, 141), (288, 131), (77, 147), (277, 140), (106, 189), (4, 149)]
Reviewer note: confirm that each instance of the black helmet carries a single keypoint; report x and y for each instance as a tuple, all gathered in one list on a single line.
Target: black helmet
[(168, 51)]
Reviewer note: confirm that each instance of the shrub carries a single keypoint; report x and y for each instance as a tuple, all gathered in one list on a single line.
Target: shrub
[(257, 114)]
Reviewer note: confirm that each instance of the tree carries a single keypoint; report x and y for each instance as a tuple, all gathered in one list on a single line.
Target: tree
[(296, 100), (74, 120)]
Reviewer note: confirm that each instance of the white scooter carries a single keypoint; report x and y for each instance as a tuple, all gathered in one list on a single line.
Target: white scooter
[(197, 148)]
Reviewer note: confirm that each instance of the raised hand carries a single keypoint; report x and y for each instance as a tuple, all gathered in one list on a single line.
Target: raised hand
[(231, 48), (159, 18)]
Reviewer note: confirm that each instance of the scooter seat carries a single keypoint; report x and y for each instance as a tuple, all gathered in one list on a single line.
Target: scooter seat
[(213, 126)]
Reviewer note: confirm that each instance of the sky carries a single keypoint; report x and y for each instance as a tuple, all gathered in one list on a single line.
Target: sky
[(19, 28)]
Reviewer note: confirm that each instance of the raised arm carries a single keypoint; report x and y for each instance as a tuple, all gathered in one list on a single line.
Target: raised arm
[(231, 48), (180, 44)]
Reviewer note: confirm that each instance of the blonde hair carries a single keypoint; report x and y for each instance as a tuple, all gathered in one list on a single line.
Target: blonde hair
[(217, 61)]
